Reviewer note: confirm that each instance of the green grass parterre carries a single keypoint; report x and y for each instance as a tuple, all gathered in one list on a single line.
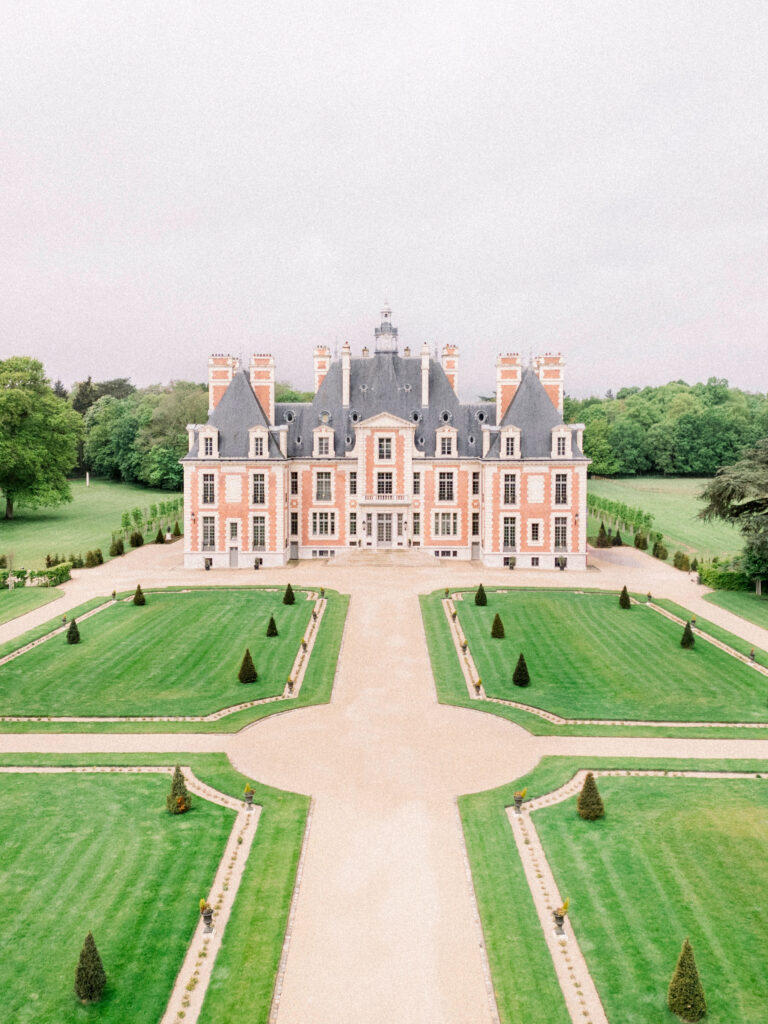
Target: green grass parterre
[(746, 605), (21, 600)]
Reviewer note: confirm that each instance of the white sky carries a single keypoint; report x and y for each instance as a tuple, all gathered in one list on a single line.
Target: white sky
[(182, 178)]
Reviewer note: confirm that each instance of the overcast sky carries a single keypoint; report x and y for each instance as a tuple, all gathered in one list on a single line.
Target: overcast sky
[(184, 178)]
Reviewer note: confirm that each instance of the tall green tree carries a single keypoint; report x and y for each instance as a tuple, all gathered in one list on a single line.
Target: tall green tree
[(38, 437)]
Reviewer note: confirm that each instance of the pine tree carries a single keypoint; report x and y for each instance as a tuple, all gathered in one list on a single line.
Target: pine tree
[(624, 601), (497, 629), (603, 540), (159, 538), (177, 801), (73, 633), (247, 673), (90, 976), (686, 995), (695, 565), (138, 597), (288, 596), (687, 641), (480, 598), (272, 627), (520, 676), (590, 803), (617, 542), (176, 532)]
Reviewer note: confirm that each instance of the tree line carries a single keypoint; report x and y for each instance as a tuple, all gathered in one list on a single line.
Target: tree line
[(676, 429)]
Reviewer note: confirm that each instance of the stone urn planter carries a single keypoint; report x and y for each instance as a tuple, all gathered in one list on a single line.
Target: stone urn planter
[(249, 797), (519, 797), (559, 915), (303, 645), (478, 685), (290, 686), (206, 912)]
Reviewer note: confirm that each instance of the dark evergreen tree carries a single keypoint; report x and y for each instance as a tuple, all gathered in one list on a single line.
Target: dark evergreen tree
[(624, 601), (688, 639), (73, 633), (480, 598), (117, 547), (695, 565), (160, 537), (590, 803), (616, 540), (272, 627), (91, 561), (176, 532), (520, 676), (136, 539), (177, 801), (641, 541), (288, 596), (603, 540), (497, 629), (138, 597), (90, 976), (247, 673), (686, 995)]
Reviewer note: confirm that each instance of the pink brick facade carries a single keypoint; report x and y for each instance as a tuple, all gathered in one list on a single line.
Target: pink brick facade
[(385, 456)]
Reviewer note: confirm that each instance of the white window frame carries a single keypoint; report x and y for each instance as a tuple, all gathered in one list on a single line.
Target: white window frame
[(383, 438), (315, 476), (562, 434), (381, 476), (539, 523), (254, 517), (509, 434), (264, 479), (214, 524), (416, 524), (212, 435), (505, 522), (326, 433), (515, 484), (353, 524), (446, 437), (332, 520), (258, 434), (566, 525), (568, 485), (450, 477), (417, 484), (352, 483), (204, 480), (446, 524)]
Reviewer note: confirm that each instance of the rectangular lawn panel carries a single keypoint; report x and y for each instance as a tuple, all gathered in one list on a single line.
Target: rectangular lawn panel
[(748, 605), (588, 658), (100, 853), (21, 600), (177, 655), (673, 858)]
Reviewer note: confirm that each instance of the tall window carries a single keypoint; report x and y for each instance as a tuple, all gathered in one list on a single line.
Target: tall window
[(209, 491), (323, 486), (323, 524), (417, 483), (353, 524), (561, 533), (446, 445), (353, 483), (445, 486), (561, 488), (561, 446), (416, 520), (259, 495), (475, 483), (535, 533), (294, 524), (209, 533), (259, 533), (258, 447), (510, 488), (446, 524), (323, 446), (233, 529), (294, 483), (509, 530), (208, 446), (385, 447), (383, 483), (510, 447), (475, 524)]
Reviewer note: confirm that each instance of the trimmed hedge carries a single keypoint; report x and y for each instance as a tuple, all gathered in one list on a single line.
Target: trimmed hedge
[(723, 579)]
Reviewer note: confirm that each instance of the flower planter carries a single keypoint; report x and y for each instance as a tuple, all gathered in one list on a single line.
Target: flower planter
[(208, 919), (477, 689), (249, 797), (518, 804), (559, 922)]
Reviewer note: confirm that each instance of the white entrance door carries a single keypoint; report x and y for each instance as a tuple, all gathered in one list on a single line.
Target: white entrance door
[(384, 529)]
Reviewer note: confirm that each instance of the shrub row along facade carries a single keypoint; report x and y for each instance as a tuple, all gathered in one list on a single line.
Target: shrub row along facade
[(385, 456)]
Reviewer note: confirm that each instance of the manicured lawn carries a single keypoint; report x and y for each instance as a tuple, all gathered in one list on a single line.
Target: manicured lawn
[(672, 858), (675, 503), (99, 853), (177, 655), (748, 605), (21, 600), (590, 659), (85, 523)]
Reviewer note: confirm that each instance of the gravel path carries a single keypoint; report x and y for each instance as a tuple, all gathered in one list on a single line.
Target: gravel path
[(385, 921)]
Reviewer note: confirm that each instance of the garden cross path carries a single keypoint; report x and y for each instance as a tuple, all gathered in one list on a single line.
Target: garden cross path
[(385, 924)]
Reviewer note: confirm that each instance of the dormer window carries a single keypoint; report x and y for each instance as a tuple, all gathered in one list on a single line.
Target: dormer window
[(385, 447), (509, 446), (323, 445), (561, 446), (510, 443), (208, 446), (209, 443), (561, 443), (446, 442), (446, 446), (259, 447)]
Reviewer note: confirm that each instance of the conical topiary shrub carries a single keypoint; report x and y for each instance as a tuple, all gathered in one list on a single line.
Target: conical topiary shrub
[(176, 532), (616, 541), (177, 801), (590, 803), (520, 676), (159, 537), (603, 540), (688, 639), (624, 601), (138, 597), (272, 626), (497, 629), (247, 673), (289, 597), (686, 996), (90, 976), (480, 597), (73, 633)]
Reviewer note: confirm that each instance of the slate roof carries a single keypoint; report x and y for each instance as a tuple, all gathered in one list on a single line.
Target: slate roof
[(385, 383)]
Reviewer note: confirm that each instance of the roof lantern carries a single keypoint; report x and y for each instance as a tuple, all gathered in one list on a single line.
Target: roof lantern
[(386, 335)]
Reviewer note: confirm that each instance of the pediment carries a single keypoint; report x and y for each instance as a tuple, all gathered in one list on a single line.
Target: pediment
[(386, 421)]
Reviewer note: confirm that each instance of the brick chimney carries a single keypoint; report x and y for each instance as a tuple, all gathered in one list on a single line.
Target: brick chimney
[(508, 374), (221, 370), (322, 362), (549, 369), (450, 362), (262, 376)]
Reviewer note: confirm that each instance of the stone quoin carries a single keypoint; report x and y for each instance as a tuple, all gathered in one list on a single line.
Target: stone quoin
[(385, 456)]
